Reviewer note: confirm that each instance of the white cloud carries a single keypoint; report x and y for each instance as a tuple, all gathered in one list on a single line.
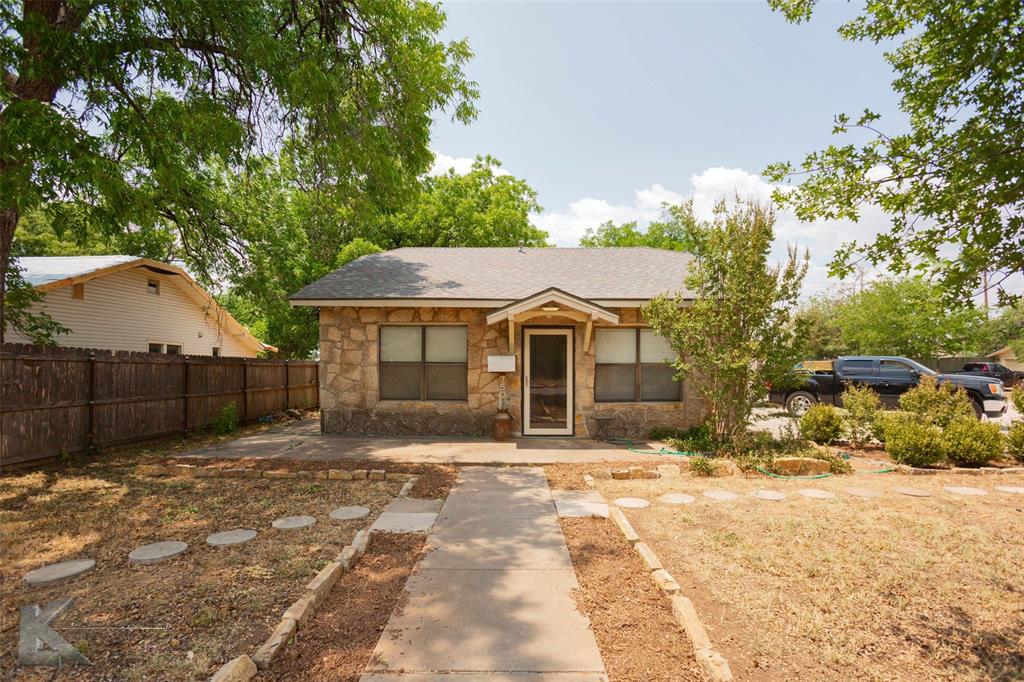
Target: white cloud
[(460, 164), (822, 237)]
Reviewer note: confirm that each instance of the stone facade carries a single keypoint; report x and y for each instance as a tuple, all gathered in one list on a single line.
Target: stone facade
[(349, 401)]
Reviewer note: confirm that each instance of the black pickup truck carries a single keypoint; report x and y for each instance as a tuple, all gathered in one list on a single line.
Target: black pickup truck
[(890, 377)]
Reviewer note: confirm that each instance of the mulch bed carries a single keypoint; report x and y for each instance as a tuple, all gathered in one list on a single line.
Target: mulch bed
[(639, 638), (338, 642)]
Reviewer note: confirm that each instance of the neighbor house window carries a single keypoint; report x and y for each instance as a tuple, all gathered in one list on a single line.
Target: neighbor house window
[(153, 286), (167, 348), (156, 348), (215, 351), (423, 363), (632, 366)]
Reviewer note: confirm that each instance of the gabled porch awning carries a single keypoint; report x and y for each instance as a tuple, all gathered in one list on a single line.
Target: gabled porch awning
[(552, 302)]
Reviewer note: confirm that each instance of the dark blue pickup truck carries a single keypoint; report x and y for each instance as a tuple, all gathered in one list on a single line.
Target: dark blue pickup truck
[(890, 377)]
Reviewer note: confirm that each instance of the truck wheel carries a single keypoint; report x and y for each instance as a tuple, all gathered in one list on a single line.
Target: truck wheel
[(799, 402), (978, 410)]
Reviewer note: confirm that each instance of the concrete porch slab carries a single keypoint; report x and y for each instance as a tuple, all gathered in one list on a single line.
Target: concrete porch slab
[(466, 621)]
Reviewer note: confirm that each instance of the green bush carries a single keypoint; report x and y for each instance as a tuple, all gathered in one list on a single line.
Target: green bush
[(695, 439), (968, 441), (822, 424), (909, 440), (836, 464), (702, 466), (882, 421), (862, 406), (226, 421), (1015, 441), (1017, 396), (938, 405)]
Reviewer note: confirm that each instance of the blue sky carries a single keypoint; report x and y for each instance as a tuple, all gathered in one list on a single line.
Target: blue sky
[(607, 109)]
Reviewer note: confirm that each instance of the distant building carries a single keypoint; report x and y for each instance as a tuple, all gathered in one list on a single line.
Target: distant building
[(134, 304), (1006, 356)]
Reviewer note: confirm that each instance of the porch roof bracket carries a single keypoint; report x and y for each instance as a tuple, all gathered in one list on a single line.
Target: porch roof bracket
[(587, 333)]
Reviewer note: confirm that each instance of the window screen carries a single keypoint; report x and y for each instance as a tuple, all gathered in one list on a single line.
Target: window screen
[(632, 366), (423, 363)]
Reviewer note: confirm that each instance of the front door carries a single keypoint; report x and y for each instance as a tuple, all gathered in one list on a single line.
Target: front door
[(547, 382)]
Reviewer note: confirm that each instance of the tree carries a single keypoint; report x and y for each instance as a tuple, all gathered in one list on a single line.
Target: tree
[(737, 334), (480, 208), (672, 232), (905, 317), (57, 230), (135, 108), (39, 327), (951, 183), (821, 338)]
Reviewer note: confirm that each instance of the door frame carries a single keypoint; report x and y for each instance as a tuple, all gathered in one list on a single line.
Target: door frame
[(570, 373)]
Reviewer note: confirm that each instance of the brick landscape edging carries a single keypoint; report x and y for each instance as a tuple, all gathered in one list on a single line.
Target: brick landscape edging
[(713, 663)]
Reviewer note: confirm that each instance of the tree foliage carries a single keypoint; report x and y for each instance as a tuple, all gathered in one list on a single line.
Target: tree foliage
[(136, 108), (952, 182), (736, 336), (671, 232)]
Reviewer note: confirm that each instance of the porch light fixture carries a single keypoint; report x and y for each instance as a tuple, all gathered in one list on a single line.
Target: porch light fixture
[(550, 308)]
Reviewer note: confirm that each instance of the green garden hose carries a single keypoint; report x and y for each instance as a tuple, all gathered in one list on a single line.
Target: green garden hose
[(663, 451), (796, 478)]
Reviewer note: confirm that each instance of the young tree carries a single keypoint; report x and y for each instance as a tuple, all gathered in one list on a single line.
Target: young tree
[(737, 334), (952, 182), (133, 107), (905, 317)]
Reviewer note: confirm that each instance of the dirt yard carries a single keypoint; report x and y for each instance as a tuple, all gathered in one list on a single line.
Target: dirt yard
[(180, 619), (892, 588)]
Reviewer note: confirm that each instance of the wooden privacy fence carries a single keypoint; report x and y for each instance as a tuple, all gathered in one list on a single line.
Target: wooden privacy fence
[(66, 400)]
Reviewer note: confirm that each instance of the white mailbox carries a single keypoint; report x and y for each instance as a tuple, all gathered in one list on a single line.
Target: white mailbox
[(501, 363)]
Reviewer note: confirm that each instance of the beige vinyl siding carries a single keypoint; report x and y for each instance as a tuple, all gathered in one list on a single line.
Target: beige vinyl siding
[(117, 312)]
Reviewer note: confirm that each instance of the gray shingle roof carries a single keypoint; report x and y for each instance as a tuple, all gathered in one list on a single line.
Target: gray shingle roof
[(504, 274)]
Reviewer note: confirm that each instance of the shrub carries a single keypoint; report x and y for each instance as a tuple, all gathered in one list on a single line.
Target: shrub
[(821, 424), (968, 441), (695, 439), (226, 421), (1015, 441), (909, 440), (836, 464), (702, 466), (1018, 400), (938, 405), (882, 421), (862, 406)]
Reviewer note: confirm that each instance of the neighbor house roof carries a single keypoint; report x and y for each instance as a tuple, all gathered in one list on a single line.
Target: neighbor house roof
[(47, 273), (499, 276)]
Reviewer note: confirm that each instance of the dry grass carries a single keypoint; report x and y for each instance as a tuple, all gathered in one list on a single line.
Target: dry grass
[(176, 620), (895, 588)]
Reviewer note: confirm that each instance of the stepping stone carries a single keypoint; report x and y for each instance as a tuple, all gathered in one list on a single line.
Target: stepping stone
[(816, 493), (293, 522), (965, 490), (720, 495), (773, 495), (867, 493), (678, 498), (413, 505), (157, 552), (912, 492), (580, 503), (231, 537), (1012, 489), (632, 502), (59, 572), (349, 513), (404, 522)]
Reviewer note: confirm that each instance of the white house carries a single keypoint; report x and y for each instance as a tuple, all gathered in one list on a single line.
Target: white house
[(134, 304)]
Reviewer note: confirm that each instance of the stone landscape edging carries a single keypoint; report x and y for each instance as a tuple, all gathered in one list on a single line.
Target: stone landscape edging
[(714, 664), (194, 471), (979, 471)]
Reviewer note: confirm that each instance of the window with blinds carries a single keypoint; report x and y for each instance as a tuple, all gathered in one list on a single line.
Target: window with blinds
[(423, 363), (632, 366)]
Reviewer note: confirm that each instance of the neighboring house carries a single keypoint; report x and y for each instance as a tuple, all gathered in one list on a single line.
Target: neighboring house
[(1006, 356), (134, 304), (409, 339)]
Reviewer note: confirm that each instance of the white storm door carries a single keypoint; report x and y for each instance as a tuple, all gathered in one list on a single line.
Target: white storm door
[(547, 382)]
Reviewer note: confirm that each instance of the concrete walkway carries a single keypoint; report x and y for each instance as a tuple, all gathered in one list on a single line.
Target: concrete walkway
[(302, 441), (491, 599)]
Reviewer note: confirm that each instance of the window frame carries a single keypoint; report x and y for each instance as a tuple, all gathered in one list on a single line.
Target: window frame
[(638, 366), (153, 287), (422, 362)]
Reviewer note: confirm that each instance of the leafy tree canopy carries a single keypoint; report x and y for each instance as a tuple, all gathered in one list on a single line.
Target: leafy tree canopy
[(737, 335), (56, 230), (952, 183), (671, 232), (136, 108)]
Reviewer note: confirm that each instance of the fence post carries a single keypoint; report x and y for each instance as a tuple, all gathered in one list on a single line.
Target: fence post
[(245, 389), (185, 392), (287, 387), (90, 434)]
